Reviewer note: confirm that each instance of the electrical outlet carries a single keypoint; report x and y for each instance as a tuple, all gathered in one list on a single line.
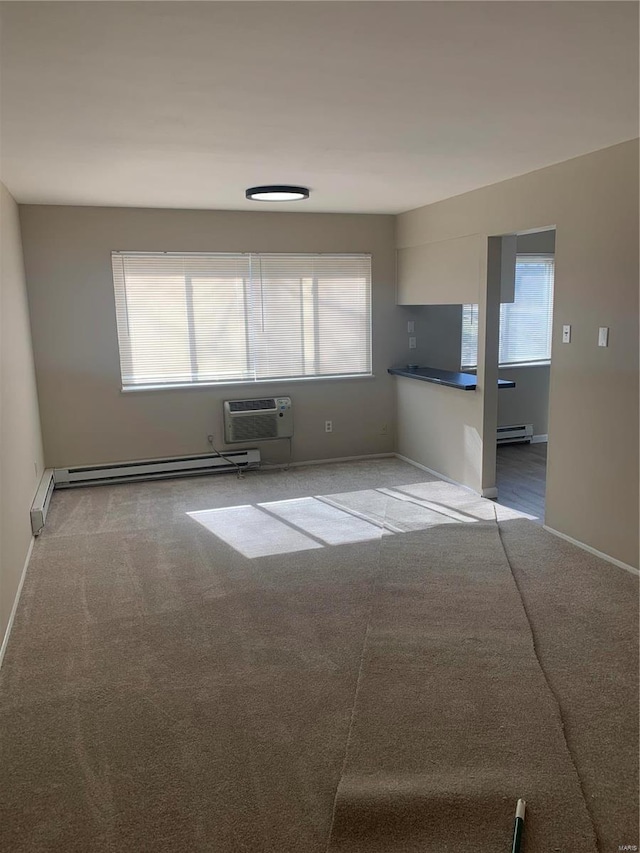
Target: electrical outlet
[(328, 426), (566, 334), (412, 343), (384, 429)]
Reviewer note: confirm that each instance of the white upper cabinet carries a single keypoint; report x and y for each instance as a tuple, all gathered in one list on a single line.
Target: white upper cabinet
[(447, 272)]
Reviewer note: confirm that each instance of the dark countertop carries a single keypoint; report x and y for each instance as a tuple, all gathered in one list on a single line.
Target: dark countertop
[(464, 381)]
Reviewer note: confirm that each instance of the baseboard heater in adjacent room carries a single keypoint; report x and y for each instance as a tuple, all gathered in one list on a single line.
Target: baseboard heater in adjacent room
[(156, 469), (40, 505), (517, 432)]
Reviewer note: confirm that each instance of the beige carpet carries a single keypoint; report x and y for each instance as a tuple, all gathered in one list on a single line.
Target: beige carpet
[(584, 618), (332, 658)]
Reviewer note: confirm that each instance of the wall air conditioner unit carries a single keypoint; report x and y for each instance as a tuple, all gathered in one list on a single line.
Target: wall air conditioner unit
[(518, 432), (156, 469), (257, 420)]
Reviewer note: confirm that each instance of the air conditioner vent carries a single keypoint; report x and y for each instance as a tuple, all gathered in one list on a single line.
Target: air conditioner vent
[(257, 420), (251, 405), (255, 427)]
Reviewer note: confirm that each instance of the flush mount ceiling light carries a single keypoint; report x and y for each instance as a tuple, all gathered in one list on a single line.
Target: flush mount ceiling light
[(277, 192)]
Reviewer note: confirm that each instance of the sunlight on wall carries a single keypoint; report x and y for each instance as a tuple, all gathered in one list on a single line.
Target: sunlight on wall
[(472, 456)]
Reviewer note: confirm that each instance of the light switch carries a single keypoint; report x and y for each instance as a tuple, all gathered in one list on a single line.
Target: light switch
[(411, 326), (412, 343), (603, 336), (566, 334)]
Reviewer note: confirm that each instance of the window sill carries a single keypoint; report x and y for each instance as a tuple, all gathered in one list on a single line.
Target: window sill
[(248, 383), (515, 366), (524, 364)]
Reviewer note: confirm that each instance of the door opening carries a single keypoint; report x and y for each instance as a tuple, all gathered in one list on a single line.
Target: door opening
[(525, 357)]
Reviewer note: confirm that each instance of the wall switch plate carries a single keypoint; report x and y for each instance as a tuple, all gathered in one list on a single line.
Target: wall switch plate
[(566, 334), (411, 326), (412, 343), (603, 336)]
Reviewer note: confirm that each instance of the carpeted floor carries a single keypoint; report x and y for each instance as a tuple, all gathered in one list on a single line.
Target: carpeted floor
[(346, 657)]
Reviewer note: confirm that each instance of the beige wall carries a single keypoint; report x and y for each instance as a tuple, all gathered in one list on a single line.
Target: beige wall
[(87, 419), (537, 243), (432, 419), (440, 272), (528, 402), (592, 479), (438, 336), (21, 459)]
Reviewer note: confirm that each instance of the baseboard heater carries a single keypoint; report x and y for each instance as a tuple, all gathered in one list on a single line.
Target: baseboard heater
[(517, 432), (40, 505), (155, 469)]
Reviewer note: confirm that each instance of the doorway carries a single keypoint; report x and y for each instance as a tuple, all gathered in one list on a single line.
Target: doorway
[(525, 358)]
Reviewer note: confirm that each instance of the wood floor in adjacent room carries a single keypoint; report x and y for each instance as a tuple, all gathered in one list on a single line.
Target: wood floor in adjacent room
[(521, 475), (343, 658)]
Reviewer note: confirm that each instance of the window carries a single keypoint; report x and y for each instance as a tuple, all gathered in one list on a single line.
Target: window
[(525, 323), (191, 319)]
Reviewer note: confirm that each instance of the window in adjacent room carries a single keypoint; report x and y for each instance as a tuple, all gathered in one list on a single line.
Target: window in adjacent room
[(525, 323), (198, 319)]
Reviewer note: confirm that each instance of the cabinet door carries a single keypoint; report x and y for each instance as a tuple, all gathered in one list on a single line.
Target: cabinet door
[(448, 272)]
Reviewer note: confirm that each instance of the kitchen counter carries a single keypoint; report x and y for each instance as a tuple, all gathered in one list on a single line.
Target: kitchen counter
[(463, 381)]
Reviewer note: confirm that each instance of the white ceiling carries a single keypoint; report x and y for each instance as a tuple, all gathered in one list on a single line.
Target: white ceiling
[(377, 107)]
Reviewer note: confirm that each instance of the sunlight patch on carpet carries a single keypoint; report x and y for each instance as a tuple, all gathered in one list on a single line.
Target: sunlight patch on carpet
[(253, 533), (332, 525), (301, 524)]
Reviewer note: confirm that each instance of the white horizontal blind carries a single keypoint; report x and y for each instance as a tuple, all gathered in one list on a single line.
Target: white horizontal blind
[(469, 357), (187, 319), (525, 323)]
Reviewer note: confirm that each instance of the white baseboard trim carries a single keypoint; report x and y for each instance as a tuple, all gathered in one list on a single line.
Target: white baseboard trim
[(440, 476), (539, 439), (333, 459), (593, 551), (5, 640)]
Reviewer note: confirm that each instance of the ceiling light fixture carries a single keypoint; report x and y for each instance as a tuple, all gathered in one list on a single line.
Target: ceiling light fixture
[(277, 192)]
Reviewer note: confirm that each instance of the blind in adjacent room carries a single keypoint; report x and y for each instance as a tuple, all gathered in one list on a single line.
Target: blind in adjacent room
[(525, 323), (188, 319), (469, 356)]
